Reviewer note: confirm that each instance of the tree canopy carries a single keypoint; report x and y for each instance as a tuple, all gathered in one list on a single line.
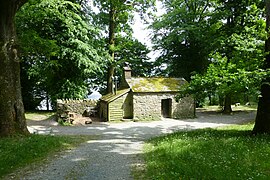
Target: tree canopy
[(65, 47), (184, 36), (115, 17), (68, 46), (59, 49), (217, 45)]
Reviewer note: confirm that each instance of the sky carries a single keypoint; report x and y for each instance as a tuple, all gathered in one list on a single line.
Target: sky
[(143, 34), (140, 29)]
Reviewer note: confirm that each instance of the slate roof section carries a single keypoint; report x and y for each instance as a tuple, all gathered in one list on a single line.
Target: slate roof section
[(111, 97), (156, 84)]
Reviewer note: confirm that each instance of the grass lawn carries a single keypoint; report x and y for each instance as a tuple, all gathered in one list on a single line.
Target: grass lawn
[(253, 107), (223, 153), (23, 151), (18, 152), (39, 115)]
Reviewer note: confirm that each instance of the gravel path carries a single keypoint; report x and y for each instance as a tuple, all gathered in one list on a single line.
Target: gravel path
[(111, 156)]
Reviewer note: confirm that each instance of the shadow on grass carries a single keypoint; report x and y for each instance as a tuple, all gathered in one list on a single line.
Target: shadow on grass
[(119, 144), (209, 154), (23, 153)]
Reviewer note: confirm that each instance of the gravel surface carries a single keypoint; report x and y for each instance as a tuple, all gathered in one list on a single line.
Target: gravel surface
[(111, 156)]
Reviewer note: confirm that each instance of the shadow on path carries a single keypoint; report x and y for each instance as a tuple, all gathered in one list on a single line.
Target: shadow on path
[(111, 156)]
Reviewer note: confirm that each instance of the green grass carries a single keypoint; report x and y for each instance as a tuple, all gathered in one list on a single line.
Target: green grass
[(18, 152), (223, 153), (39, 115), (253, 107)]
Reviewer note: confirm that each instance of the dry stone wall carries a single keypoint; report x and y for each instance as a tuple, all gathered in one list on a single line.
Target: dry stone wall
[(75, 106)]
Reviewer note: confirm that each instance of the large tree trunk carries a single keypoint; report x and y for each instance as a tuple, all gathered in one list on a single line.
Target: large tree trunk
[(262, 122), (112, 28), (12, 119), (227, 104)]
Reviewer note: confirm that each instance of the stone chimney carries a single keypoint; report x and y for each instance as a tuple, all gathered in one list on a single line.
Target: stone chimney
[(127, 72), (126, 76)]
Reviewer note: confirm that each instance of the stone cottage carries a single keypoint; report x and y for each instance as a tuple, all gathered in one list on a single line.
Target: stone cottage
[(146, 99)]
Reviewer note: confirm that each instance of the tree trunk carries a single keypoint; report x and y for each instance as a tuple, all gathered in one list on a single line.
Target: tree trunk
[(227, 104), (12, 119), (112, 28), (210, 100), (47, 101), (109, 79), (262, 122)]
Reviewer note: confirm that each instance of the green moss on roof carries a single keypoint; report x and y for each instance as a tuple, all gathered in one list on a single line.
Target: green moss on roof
[(155, 84), (111, 97)]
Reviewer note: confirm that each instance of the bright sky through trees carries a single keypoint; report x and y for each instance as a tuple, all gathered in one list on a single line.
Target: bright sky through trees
[(142, 33)]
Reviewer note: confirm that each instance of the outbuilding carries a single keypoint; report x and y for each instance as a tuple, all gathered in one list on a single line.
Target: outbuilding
[(146, 99)]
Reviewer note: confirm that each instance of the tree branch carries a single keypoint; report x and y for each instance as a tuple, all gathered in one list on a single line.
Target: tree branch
[(20, 3), (204, 9)]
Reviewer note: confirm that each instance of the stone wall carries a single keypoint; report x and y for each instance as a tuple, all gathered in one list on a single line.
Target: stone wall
[(147, 106), (103, 111), (75, 106), (185, 108)]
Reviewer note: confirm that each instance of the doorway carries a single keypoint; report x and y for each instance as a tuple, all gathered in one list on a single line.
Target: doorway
[(166, 108)]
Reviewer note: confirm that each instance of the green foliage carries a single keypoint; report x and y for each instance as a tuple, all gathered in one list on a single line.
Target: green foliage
[(191, 31), (136, 54), (64, 123), (184, 36), (129, 50), (218, 45), (58, 48), (124, 11), (240, 72), (19, 152), (116, 16), (219, 80), (224, 153), (240, 20), (121, 15)]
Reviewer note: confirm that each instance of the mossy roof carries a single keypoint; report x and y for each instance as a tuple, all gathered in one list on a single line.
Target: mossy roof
[(156, 84), (111, 97)]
